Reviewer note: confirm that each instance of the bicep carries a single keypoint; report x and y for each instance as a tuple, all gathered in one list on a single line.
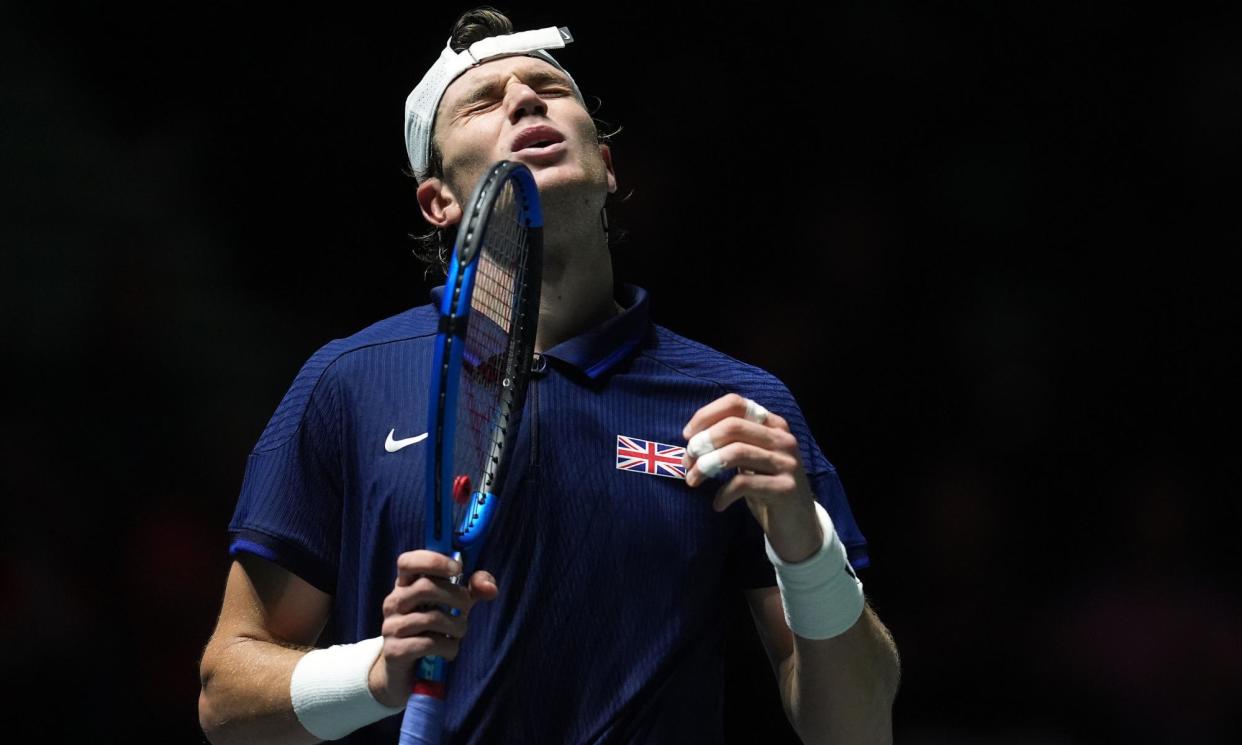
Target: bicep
[(267, 602)]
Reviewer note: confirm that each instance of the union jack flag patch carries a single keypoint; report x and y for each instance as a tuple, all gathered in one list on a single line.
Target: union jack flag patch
[(651, 458)]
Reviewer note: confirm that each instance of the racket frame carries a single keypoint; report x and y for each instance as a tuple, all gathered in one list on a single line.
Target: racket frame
[(455, 316)]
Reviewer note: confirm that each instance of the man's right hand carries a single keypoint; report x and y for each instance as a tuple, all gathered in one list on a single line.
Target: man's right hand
[(416, 623)]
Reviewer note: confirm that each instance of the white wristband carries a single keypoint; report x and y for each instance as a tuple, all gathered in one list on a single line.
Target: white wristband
[(822, 596), (330, 692)]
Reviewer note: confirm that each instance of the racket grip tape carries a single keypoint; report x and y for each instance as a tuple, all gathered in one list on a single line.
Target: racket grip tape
[(424, 720)]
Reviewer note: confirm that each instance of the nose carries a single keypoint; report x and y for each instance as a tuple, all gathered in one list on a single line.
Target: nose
[(522, 101)]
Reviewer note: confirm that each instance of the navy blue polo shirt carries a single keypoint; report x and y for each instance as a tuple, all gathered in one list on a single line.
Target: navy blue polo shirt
[(614, 575)]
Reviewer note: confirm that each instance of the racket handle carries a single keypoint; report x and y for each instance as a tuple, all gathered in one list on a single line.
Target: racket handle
[(423, 722), (424, 719)]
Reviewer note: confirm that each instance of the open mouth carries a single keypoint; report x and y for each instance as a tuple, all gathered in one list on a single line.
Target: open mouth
[(537, 139)]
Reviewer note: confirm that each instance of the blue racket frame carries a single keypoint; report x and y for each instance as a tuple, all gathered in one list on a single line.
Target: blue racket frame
[(424, 716)]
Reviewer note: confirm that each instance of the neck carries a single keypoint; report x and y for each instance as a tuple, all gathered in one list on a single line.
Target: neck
[(577, 287)]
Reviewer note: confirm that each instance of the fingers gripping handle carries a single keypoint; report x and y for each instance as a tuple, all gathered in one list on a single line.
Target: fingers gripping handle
[(424, 720)]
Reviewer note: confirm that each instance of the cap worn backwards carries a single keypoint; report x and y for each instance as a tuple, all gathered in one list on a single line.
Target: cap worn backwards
[(421, 105)]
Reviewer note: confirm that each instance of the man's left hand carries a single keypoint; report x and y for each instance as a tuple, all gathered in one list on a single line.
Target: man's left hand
[(771, 478)]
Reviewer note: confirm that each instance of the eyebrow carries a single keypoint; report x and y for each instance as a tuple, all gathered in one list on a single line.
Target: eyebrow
[(488, 86)]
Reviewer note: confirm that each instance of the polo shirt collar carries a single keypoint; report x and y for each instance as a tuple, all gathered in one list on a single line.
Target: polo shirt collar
[(598, 350)]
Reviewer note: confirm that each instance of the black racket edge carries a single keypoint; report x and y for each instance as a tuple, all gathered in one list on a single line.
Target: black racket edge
[(478, 209)]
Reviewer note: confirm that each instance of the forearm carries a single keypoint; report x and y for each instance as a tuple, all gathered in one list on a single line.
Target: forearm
[(838, 682), (841, 690), (245, 695)]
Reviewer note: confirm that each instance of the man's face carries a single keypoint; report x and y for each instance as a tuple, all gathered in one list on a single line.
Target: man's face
[(522, 109)]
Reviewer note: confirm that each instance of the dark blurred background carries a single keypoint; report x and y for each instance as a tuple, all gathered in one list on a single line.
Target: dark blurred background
[(987, 245)]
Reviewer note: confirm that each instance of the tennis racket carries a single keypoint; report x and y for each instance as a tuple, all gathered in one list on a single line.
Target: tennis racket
[(482, 364)]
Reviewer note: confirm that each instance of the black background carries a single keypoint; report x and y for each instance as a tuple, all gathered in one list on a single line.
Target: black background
[(987, 246)]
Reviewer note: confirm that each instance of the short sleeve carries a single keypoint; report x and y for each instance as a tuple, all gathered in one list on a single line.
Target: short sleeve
[(289, 510), (752, 565)]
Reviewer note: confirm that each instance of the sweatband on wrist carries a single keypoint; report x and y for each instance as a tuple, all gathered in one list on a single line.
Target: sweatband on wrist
[(330, 693), (821, 595)]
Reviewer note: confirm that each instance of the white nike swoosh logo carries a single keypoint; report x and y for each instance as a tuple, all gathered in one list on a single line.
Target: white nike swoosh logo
[(393, 446)]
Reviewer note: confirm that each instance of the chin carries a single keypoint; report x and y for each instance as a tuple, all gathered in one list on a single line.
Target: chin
[(564, 177)]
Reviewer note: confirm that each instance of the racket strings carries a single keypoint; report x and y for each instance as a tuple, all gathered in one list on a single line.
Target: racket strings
[(489, 362)]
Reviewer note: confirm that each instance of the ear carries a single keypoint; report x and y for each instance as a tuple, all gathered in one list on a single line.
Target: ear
[(439, 205), (605, 152)]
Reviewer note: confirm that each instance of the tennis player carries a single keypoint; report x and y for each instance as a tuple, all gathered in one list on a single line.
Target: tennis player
[(655, 480)]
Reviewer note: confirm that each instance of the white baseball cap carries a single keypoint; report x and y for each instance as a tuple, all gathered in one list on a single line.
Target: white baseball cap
[(421, 104)]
